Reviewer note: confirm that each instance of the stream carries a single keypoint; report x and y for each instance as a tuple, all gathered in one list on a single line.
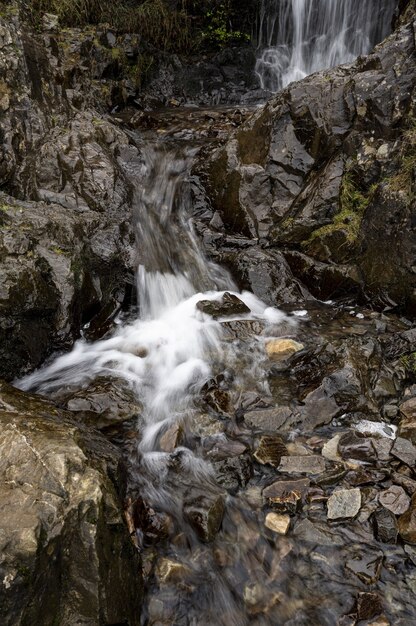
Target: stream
[(226, 537)]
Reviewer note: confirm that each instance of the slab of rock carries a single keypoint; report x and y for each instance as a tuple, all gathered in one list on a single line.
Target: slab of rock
[(61, 520), (227, 306), (353, 446), (404, 450), (270, 450), (344, 504), (269, 420), (407, 523), (385, 526), (312, 464), (395, 499), (286, 495), (330, 449), (277, 523), (204, 512), (281, 349), (317, 533), (366, 567)]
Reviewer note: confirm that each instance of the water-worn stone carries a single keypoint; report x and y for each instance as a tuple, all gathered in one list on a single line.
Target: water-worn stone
[(404, 450), (62, 523), (277, 523), (407, 523), (280, 349), (344, 504), (204, 512), (229, 305), (302, 464), (395, 500), (172, 438), (316, 533), (385, 526), (270, 451)]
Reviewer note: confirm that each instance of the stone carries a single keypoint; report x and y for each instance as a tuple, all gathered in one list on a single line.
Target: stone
[(229, 305), (168, 571), (404, 481), (172, 438), (269, 420), (204, 513), (404, 450), (395, 500), (331, 476), (353, 446), (61, 520), (330, 449), (281, 349), (277, 523), (302, 464), (367, 567), (317, 533), (233, 473), (270, 450), (381, 429), (344, 504), (368, 605), (407, 523), (385, 526), (286, 495), (154, 526)]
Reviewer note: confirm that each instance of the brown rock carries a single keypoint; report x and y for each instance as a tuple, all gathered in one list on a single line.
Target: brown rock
[(280, 349), (407, 523), (172, 438), (368, 605), (270, 451), (277, 523), (395, 500), (312, 464)]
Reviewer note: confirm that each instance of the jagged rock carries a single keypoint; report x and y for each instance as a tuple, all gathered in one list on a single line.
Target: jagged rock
[(404, 450), (353, 446), (228, 306), (204, 512), (395, 499), (330, 449), (286, 495), (407, 523), (270, 451), (271, 420), (302, 464), (234, 472), (385, 526), (277, 523), (368, 605), (344, 504), (62, 523), (171, 438)]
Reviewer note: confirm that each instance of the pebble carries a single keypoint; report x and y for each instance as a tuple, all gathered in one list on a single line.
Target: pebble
[(395, 499), (344, 504), (277, 523)]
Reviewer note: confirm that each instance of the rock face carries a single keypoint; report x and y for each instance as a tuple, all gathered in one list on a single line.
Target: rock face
[(325, 173), (66, 554)]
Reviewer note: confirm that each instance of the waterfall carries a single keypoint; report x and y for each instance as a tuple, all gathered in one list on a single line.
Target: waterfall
[(298, 37)]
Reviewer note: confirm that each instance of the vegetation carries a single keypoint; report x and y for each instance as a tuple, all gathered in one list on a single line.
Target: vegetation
[(408, 361), (404, 180)]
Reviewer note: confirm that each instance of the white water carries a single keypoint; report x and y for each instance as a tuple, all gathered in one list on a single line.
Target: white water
[(299, 37)]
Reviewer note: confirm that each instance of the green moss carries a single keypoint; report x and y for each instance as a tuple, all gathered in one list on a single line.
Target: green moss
[(403, 181), (408, 361)]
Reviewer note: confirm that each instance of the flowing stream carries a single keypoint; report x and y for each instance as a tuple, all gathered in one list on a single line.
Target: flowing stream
[(299, 37)]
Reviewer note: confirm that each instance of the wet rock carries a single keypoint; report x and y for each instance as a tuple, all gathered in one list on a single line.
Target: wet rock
[(331, 476), (204, 513), (302, 464), (366, 567), (204, 425), (270, 451), (220, 449), (154, 526), (168, 571), (105, 402), (172, 438), (407, 523), (368, 605), (395, 500), (277, 523), (404, 450), (353, 446), (229, 305), (366, 477), (281, 349), (385, 526), (61, 520), (316, 533), (344, 504), (270, 420), (234, 472), (286, 495), (259, 599)]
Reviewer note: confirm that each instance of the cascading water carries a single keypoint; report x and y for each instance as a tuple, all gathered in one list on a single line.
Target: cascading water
[(299, 37)]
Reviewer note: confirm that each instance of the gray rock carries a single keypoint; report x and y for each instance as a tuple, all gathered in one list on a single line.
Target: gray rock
[(385, 525), (404, 450), (269, 420), (316, 533), (204, 511), (344, 504), (395, 499), (302, 464)]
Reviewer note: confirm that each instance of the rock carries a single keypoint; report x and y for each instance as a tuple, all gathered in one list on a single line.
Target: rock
[(395, 500), (204, 513), (404, 450), (407, 523), (366, 567), (316, 533), (234, 472), (61, 520), (50, 21), (368, 605), (281, 349), (277, 523), (104, 403), (270, 420), (331, 476), (408, 422), (172, 438), (330, 449), (154, 526), (168, 571), (385, 525), (381, 429), (270, 451), (302, 464), (404, 481), (286, 495), (229, 305), (344, 504), (353, 446)]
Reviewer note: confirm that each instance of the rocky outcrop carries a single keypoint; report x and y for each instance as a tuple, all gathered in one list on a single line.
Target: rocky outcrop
[(66, 555), (325, 174)]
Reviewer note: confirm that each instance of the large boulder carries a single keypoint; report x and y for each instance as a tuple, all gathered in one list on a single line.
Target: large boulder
[(66, 555), (325, 172)]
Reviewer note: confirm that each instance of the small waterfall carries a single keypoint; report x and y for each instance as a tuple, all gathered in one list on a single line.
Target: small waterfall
[(299, 37)]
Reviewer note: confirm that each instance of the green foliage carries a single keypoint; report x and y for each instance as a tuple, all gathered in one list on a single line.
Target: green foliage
[(218, 29), (404, 180), (408, 361)]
